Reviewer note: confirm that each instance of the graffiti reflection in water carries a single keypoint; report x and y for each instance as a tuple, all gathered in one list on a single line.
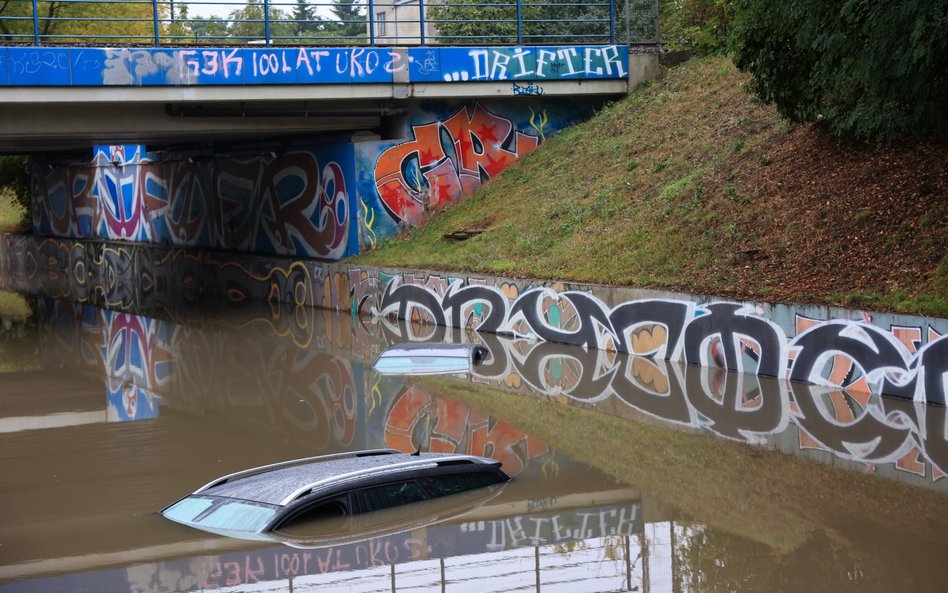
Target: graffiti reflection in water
[(334, 401)]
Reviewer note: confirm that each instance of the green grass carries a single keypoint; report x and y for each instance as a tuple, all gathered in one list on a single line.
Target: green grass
[(647, 193), (933, 301), (619, 199)]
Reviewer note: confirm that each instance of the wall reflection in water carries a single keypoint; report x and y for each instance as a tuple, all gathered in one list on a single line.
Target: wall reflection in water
[(281, 372), (300, 378)]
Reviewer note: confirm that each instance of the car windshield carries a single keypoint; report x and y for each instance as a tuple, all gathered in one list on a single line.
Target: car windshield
[(222, 514)]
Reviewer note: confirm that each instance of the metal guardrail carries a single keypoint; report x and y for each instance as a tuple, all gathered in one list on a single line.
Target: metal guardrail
[(328, 22)]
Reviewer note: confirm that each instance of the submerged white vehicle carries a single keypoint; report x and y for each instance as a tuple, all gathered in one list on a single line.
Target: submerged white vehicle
[(426, 358), (258, 502)]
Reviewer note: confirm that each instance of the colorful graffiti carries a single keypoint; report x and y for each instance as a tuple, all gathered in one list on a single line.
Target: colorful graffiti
[(845, 353), (835, 414), (452, 64), (326, 201), (296, 203), (445, 160), (89, 66), (897, 355)]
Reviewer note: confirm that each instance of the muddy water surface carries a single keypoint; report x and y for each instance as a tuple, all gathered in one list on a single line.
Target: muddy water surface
[(628, 474)]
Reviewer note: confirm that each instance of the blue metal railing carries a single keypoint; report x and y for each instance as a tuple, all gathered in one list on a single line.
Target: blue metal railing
[(327, 22)]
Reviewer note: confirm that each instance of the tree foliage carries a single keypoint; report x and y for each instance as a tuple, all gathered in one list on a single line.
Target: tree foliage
[(67, 21), (543, 21), (250, 22), (697, 26), (134, 22), (15, 176), (872, 70), (350, 18)]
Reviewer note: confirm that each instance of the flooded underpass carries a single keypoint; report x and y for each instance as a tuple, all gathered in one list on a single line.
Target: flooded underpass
[(628, 474)]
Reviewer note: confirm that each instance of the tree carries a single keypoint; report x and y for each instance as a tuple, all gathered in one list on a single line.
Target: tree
[(697, 26), (15, 176), (306, 21), (542, 21), (179, 28), (872, 70), (130, 21), (16, 18), (249, 22), (209, 30), (350, 18), (478, 21)]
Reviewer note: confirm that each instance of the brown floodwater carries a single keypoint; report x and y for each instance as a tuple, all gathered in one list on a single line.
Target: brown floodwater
[(627, 474)]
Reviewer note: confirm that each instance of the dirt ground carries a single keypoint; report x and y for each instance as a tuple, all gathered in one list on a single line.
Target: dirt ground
[(840, 218)]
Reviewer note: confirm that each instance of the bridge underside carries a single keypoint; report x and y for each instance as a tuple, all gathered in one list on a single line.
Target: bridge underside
[(70, 118), (61, 99), (310, 152)]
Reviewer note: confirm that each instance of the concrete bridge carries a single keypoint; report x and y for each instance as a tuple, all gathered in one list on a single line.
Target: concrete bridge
[(294, 151), (56, 98)]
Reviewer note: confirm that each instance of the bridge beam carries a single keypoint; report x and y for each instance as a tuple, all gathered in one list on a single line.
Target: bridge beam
[(74, 118)]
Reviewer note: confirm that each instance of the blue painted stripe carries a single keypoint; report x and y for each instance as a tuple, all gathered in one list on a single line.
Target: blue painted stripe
[(4, 68), (39, 66)]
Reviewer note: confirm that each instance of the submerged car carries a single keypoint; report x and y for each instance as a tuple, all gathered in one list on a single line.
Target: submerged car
[(264, 499), (426, 358)]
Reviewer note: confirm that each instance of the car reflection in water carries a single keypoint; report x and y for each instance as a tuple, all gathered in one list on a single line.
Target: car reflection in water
[(320, 501)]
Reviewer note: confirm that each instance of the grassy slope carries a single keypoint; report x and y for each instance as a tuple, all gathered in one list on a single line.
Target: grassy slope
[(663, 189)]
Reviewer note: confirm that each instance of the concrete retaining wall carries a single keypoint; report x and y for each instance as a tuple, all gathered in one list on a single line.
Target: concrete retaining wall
[(861, 352)]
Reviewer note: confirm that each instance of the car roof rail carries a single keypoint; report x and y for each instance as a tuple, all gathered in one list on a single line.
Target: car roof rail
[(283, 464), (414, 463)]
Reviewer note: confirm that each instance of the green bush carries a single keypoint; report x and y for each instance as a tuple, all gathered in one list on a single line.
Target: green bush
[(698, 26), (873, 70), (15, 176)]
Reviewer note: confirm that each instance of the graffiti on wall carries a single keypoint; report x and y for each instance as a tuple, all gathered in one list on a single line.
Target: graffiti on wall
[(849, 354), (447, 159), (837, 417), (327, 201), (895, 355), (294, 203), (90, 66), (450, 149), (453, 64)]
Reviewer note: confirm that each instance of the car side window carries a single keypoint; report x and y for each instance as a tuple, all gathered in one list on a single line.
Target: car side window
[(331, 509), (383, 497), (451, 484)]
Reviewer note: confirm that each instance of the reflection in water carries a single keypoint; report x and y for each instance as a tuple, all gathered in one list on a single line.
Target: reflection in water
[(17, 334), (185, 402), (313, 393)]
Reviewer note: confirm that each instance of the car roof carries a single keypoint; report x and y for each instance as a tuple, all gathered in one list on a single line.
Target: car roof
[(429, 358), (430, 349), (282, 483)]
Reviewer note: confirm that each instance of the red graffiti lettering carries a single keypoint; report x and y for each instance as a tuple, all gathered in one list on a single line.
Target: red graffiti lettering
[(419, 176)]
